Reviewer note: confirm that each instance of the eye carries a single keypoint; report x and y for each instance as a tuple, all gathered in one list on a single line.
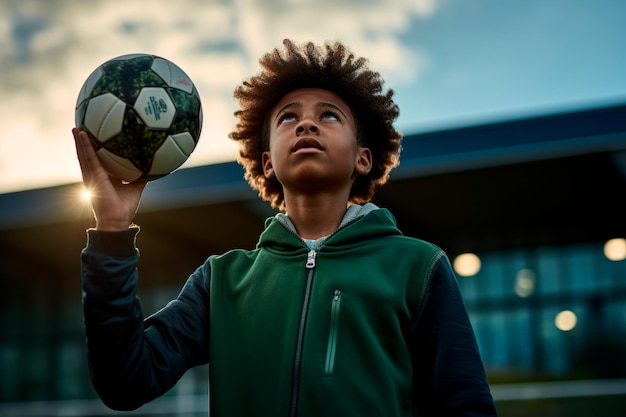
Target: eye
[(286, 117), (330, 115)]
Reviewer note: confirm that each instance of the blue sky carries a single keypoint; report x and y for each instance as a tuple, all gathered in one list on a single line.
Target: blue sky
[(495, 59), (451, 62)]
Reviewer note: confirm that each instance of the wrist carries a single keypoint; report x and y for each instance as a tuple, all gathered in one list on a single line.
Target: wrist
[(112, 225), (113, 243)]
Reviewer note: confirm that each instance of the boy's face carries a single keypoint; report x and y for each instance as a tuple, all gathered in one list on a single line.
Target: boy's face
[(313, 142)]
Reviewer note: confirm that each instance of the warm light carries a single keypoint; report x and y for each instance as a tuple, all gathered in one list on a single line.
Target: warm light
[(565, 320), (86, 195), (467, 264), (615, 249), (525, 282)]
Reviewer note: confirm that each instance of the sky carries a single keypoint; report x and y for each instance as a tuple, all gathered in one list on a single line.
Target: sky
[(450, 62)]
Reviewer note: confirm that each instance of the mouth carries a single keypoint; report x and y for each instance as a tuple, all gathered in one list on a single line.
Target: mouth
[(307, 144)]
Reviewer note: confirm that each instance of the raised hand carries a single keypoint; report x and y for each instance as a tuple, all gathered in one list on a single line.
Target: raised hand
[(114, 202)]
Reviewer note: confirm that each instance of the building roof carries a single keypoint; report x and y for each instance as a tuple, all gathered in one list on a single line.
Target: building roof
[(536, 181)]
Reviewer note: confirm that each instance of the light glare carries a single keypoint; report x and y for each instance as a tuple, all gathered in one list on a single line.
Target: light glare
[(86, 195)]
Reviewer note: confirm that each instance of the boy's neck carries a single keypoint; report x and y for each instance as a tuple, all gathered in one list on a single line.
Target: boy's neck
[(315, 216)]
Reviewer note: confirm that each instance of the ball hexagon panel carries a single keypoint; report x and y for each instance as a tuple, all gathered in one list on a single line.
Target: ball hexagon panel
[(155, 107), (87, 88), (185, 142), (172, 74), (173, 152), (104, 116), (118, 166)]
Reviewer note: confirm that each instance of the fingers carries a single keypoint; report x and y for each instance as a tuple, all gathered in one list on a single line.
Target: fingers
[(84, 151), (90, 165)]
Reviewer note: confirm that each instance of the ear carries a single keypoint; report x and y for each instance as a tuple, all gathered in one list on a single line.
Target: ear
[(364, 161), (268, 169)]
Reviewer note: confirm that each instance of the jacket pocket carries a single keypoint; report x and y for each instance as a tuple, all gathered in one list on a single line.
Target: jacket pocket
[(332, 334)]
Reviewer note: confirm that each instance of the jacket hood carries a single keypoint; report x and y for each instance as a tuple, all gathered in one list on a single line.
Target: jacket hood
[(373, 225)]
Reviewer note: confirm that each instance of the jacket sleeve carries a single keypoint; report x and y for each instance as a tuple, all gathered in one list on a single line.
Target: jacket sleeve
[(449, 377), (132, 360)]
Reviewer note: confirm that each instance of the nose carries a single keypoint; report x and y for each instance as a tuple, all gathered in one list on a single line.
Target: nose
[(306, 126)]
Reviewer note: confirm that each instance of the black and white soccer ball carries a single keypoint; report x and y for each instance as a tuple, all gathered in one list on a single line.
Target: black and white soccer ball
[(143, 115)]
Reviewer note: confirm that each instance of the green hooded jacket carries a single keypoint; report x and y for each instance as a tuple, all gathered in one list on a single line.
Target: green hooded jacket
[(358, 327)]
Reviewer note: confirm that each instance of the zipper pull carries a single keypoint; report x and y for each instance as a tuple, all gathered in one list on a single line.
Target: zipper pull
[(310, 259)]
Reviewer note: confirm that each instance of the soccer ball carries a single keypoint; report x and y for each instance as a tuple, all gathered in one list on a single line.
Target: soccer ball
[(143, 115)]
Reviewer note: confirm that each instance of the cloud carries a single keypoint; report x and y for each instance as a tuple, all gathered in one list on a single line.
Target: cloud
[(48, 48)]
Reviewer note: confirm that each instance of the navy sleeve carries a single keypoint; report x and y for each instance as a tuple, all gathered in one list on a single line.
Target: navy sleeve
[(449, 376), (132, 360)]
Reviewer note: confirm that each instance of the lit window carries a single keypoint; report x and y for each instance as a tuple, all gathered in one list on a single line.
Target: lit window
[(566, 320), (615, 249), (467, 264), (525, 282)]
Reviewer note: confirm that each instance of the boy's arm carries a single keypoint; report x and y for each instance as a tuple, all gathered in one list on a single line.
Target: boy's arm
[(133, 361), (449, 377)]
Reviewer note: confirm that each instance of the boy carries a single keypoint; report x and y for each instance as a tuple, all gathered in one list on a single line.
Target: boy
[(335, 313)]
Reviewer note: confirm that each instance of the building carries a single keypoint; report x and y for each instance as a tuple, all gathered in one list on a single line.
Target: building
[(531, 210)]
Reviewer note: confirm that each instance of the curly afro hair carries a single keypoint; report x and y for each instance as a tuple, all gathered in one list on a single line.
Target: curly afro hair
[(332, 68)]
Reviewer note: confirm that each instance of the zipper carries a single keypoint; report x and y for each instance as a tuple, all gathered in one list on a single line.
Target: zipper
[(297, 361), (332, 335)]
